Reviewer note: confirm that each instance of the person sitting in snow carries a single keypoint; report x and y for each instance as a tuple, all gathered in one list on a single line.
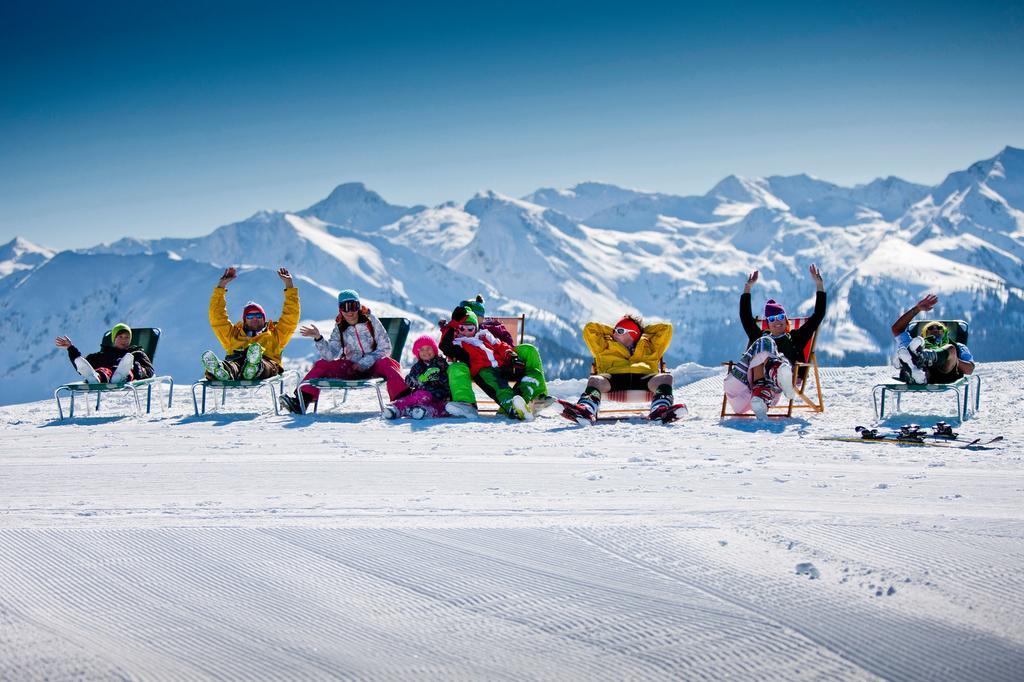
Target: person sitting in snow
[(114, 364), (427, 382), (359, 348), (627, 357), (460, 379), (495, 364), (765, 372), (254, 344), (931, 357)]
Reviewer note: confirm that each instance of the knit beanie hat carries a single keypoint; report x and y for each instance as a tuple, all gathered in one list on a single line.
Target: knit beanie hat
[(422, 341), (773, 308), (471, 318), (630, 325), (348, 295), (117, 329), (254, 307), (475, 304)]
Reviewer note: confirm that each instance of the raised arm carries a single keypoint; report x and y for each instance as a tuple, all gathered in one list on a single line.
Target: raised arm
[(291, 310), (922, 306), (750, 326)]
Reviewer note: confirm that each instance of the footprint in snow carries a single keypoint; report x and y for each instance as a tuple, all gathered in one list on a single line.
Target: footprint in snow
[(808, 569)]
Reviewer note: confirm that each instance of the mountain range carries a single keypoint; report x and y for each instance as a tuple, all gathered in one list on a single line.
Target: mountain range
[(562, 257)]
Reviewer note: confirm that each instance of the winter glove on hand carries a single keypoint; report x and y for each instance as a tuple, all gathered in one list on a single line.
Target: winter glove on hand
[(365, 363), (514, 366), (432, 374)]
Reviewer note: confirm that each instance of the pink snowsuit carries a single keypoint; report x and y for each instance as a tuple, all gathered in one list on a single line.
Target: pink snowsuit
[(360, 351), (423, 397)]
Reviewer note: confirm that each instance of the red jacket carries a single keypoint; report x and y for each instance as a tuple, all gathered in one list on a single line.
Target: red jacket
[(484, 350)]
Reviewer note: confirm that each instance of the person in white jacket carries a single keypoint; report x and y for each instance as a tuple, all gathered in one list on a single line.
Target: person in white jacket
[(358, 348)]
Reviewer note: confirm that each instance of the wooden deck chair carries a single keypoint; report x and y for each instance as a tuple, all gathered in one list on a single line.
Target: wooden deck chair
[(961, 388), (398, 331), (802, 374), (145, 337), (635, 402), (516, 327)]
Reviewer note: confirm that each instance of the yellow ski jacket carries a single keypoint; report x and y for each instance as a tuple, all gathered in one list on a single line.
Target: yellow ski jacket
[(274, 337), (611, 357)]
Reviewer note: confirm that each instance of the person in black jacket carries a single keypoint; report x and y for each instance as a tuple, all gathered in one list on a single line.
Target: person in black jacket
[(114, 364), (765, 371)]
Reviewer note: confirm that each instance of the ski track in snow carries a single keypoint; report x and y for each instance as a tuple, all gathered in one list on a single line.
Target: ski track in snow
[(242, 545)]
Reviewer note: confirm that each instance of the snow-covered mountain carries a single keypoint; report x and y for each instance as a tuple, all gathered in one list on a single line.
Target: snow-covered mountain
[(20, 254), (566, 256)]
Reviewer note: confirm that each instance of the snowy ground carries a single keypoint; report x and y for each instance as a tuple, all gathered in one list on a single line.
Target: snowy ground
[(254, 546)]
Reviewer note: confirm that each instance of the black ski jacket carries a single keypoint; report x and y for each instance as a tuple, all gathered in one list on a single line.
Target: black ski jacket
[(109, 356), (791, 344)]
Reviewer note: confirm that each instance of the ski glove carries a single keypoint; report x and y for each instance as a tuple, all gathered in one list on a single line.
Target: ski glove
[(515, 368), (432, 374), (366, 362)]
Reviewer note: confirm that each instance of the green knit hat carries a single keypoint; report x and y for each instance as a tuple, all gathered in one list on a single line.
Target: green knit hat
[(470, 318), (117, 329), (475, 304)]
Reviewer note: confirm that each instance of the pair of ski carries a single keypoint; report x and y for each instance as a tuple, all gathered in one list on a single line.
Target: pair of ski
[(665, 415), (942, 436)]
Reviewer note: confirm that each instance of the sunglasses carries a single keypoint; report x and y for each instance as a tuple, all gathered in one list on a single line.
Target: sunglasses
[(624, 330), (254, 316), (776, 318), (349, 306), (467, 328)]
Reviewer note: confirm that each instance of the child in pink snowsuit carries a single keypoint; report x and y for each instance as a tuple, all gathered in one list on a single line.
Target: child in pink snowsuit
[(428, 381)]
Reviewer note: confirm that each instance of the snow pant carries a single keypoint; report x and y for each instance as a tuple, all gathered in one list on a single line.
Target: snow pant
[(387, 368), (461, 383), (739, 382), (424, 398), (268, 369), (529, 386)]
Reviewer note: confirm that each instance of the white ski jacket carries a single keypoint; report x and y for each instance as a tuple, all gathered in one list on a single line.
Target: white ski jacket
[(362, 343)]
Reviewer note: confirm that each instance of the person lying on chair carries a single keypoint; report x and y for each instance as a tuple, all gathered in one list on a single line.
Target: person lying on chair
[(758, 380), (254, 344), (627, 357), (114, 364), (931, 357)]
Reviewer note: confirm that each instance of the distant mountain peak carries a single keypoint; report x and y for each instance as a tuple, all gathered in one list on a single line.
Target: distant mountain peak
[(352, 204)]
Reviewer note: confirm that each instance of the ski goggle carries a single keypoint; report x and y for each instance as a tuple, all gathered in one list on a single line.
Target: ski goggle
[(626, 330), (775, 318), (349, 306), (254, 316), (467, 328)]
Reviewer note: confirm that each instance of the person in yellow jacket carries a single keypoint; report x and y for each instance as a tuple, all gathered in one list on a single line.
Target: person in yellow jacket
[(254, 344), (627, 357)]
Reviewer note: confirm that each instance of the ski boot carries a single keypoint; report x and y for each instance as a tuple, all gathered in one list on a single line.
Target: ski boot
[(123, 371), (417, 412), (518, 409), (253, 361), (215, 367), (460, 409), (86, 370), (761, 399), (944, 430), (390, 412)]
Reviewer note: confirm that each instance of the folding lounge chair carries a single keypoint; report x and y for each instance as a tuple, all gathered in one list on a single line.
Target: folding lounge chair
[(145, 337), (275, 385), (802, 372), (398, 331), (961, 388)]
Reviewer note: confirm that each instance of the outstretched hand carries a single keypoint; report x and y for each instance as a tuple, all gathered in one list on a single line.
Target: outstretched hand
[(816, 276), (63, 342), (310, 331), (286, 277), (927, 303), (750, 281), (228, 275)]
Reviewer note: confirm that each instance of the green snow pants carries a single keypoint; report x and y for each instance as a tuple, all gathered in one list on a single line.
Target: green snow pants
[(529, 387)]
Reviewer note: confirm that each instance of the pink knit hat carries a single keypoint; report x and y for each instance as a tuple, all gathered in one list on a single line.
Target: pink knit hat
[(422, 341)]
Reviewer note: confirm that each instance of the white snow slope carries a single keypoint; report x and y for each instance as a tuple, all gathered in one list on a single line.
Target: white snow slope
[(249, 546)]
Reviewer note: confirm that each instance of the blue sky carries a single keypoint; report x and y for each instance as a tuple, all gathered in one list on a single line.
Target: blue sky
[(169, 121)]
